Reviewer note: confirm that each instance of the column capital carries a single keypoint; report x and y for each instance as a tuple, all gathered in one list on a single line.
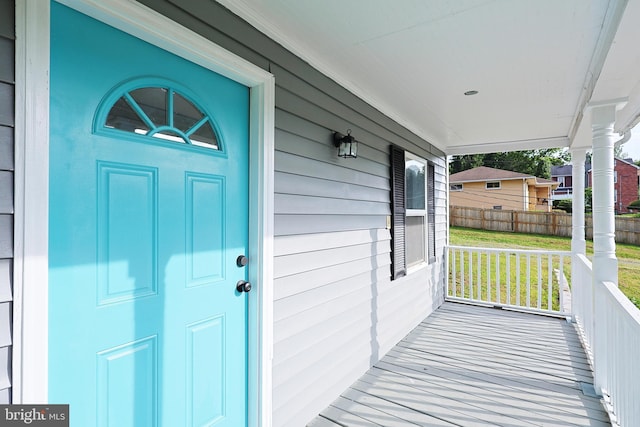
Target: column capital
[(619, 103), (578, 155), (603, 113)]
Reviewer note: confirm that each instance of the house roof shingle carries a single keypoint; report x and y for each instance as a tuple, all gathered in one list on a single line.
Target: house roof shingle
[(561, 170), (483, 173)]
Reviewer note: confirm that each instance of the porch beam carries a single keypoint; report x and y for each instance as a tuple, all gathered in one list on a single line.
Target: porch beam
[(510, 145)]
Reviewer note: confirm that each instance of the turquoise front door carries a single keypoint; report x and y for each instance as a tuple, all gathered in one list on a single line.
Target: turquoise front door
[(148, 216)]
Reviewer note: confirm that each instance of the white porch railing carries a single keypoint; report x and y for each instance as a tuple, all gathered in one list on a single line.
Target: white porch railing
[(610, 325), (562, 193), (529, 280)]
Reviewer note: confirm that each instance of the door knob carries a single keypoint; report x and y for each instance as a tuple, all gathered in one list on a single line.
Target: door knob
[(243, 286), (242, 260)]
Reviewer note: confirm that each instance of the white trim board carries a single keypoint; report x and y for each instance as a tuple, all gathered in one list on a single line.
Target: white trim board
[(31, 240), (30, 350)]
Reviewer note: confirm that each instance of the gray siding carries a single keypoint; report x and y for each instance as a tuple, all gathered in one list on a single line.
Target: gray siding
[(7, 84), (336, 309)]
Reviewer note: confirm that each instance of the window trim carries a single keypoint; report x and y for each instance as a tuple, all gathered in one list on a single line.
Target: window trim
[(430, 189), (458, 187), (498, 187)]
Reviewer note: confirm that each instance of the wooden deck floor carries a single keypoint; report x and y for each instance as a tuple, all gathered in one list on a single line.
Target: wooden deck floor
[(474, 366)]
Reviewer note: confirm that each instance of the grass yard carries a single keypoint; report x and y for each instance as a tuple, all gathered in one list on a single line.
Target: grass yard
[(628, 255)]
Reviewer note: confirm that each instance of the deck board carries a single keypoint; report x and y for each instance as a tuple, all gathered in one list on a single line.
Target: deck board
[(475, 366)]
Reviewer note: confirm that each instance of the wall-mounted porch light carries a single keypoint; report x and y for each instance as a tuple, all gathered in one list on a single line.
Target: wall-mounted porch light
[(346, 144)]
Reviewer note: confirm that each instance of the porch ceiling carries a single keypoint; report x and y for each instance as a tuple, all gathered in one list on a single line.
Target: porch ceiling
[(535, 63)]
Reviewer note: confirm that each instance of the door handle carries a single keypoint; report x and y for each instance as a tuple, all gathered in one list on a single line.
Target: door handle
[(243, 286)]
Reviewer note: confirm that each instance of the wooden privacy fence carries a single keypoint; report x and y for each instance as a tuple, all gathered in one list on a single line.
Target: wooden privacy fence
[(550, 223)]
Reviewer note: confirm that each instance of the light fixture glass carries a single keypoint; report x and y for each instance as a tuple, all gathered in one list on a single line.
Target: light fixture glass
[(346, 144)]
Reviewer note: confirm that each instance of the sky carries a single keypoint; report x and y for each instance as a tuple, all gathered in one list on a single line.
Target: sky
[(632, 147)]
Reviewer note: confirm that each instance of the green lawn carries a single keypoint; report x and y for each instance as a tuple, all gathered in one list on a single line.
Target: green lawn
[(628, 255)]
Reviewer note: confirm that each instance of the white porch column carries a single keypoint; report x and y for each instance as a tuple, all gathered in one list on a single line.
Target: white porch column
[(605, 263), (578, 243)]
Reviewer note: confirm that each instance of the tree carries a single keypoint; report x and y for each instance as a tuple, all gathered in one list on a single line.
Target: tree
[(530, 162), (588, 199), (467, 161), (617, 152)]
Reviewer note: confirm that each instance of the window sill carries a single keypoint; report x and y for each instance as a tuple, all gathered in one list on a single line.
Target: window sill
[(415, 268)]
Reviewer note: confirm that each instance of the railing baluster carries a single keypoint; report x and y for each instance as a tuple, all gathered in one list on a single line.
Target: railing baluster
[(539, 264), (471, 273), (479, 281), (561, 284), (462, 273), (454, 272), (528, 280), (498, 277), (517, 279), (549, 282), (488, 276), (508, 260)]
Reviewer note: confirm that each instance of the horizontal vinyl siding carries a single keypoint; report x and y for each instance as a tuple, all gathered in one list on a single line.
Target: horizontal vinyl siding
[(336, 311), (7, 96)]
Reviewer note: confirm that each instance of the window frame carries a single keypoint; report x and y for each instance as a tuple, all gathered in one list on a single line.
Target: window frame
[(451, 187), (498, 187), (417, 213)]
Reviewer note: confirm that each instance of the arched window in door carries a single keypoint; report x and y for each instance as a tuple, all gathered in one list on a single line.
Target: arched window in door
[(158, 111)]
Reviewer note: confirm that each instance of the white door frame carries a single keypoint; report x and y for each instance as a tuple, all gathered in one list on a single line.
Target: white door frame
[(30, 347)]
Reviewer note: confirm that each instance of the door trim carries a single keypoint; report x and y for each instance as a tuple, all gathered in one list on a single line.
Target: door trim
[(30, 347)]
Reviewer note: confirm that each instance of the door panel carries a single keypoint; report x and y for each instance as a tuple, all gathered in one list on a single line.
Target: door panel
[(145, 324)]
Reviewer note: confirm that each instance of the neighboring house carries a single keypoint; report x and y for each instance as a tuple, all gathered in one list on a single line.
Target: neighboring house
[(626, 182), (491, 188), (562, 174), (180, 243)]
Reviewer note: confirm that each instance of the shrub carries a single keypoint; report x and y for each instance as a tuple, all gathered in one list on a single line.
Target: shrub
[(565, 205), (635, 205)]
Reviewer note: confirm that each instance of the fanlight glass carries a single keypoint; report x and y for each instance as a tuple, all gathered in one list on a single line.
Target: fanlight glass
[(163, 113)]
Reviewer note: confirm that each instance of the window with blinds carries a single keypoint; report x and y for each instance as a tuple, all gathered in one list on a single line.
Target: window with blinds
[(413, 211)]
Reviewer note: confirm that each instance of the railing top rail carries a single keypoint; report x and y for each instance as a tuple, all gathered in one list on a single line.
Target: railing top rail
[(521, 251), (583, 258), (625, 303)]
